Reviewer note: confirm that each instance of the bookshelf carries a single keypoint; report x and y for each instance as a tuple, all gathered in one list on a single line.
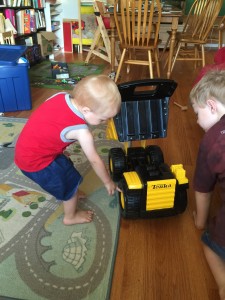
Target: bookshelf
[(27, 17), (53, 16)]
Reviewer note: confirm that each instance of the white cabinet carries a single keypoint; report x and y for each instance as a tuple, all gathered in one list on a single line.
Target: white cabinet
[(54, 21)]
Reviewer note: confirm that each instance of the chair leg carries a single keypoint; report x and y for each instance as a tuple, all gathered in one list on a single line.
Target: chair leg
[(220, 39), (106, 41), (93, 45), (150, 64), (196, 55), (117, 50), (167, 59), (165, 47), (203, 55), (175, 56), (120, 64), (156, 54), (129, 58)]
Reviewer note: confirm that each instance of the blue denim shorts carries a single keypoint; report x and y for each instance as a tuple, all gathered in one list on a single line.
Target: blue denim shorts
[(60, 178), (219, 250)]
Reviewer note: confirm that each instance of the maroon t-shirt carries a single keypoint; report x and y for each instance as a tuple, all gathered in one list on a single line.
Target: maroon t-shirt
[(210, 170)]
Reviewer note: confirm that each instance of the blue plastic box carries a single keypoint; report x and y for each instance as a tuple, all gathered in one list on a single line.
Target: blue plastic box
[(14, 79)]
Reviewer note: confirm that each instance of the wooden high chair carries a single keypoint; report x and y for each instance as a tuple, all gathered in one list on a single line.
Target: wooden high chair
[(7, 38), (101, 45)]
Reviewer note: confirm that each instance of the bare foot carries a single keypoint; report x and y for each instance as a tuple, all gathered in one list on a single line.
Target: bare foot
[(80, 217)]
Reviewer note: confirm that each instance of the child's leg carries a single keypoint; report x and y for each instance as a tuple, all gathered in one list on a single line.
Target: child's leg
[(81, 195), (217, 266), (74, 216)]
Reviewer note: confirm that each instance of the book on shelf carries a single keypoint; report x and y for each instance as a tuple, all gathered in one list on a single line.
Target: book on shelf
[(10, 14), (41, 19), (25, 3), (33, 26), (35, 3), (9, 3), (26, 21), (38, 3), (20, 21), (36, 20)]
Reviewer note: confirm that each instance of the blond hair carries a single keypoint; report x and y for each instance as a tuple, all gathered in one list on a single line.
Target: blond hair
[(211, 86), (98, 92)]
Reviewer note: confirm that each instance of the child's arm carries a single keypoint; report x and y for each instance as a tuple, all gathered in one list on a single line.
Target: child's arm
[(86, 141), (202, 209)]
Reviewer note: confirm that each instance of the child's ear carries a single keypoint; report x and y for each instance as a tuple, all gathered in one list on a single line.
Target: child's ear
[(212, 105), (85, 110)]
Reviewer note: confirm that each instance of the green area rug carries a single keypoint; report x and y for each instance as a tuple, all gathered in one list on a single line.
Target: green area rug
[(41, 75), (40, 258)]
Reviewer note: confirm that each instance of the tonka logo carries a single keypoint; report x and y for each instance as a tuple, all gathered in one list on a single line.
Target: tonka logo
[(161, 186)]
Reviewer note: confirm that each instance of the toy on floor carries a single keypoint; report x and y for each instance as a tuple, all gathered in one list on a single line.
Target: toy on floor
[(182, 107), (150, 188)]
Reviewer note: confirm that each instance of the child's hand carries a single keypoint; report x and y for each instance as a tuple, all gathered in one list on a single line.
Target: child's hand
[(112, 187), (197, 224)]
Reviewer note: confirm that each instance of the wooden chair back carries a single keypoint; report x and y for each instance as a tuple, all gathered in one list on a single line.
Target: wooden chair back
[(138, 22), (201, 18), (7, 38)]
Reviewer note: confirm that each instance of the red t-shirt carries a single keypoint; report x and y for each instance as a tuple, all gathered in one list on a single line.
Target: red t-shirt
[(43, 137), (210, 170)]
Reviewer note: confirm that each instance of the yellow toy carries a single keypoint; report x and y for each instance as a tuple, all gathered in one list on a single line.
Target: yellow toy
[(150, 188)]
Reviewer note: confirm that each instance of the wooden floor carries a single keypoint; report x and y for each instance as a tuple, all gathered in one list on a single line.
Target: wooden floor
[(160, 259)]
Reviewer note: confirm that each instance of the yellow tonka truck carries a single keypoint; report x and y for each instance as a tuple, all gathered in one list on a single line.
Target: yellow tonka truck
[(150, 188)]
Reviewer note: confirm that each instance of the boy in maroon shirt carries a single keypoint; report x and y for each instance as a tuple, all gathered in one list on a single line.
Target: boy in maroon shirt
[(208, 101)]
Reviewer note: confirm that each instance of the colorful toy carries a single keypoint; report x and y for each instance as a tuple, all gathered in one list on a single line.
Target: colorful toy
[(150, 188)]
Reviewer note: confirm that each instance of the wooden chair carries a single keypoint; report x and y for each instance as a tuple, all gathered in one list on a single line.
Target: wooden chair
[(189, 22), (216, 34), (101, 45), (221, 29), (138, 28), (7, 38), (190, 45)]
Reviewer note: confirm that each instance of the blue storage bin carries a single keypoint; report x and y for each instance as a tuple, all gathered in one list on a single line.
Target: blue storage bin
[(14, 79)]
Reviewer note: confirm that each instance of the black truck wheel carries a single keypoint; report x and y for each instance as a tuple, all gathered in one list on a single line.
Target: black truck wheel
[(130, 201), (117, 163), (180, 201)]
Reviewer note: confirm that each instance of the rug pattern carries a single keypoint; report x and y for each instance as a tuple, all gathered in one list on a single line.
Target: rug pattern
[(39, 257), (40, 75)]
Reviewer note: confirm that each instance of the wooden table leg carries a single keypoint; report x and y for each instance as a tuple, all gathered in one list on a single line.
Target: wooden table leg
[(172, 44)]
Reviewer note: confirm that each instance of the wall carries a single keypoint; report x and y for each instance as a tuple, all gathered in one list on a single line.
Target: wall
[(70, 9)]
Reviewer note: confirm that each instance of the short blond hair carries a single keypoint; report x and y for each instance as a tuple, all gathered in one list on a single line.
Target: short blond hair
[(98, 92), (211, 86)]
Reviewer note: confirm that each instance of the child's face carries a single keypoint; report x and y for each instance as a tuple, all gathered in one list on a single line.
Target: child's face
[(205, 116)]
